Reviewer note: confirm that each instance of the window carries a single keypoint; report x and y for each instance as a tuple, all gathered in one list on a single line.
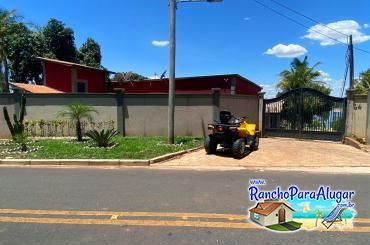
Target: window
[(81, 87), (256, 216)]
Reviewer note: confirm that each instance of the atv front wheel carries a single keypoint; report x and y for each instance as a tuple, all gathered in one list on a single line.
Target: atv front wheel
[(238, 148), (255, 144), (210, 145)]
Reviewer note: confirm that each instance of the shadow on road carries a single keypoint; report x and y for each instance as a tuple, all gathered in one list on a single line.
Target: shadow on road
[(227, 153)]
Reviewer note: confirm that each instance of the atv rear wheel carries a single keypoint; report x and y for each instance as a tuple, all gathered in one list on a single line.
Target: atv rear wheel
[(238, 148), (255, 144), (210, 145)]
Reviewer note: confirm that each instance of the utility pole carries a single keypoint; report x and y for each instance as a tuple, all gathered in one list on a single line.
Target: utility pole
[(172, 76), (171, 85), (351, 65)]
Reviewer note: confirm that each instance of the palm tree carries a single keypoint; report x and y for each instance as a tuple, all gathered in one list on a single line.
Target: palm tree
[(77, 112), (4, 23), (363, 83), (319, 214), (301, 75)]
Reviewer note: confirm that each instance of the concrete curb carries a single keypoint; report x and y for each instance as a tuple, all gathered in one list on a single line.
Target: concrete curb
[(172, 155), (94, 162), (75, 162), (352, 142)]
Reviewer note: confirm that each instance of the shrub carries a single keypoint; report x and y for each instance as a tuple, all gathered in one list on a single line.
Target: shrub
[(102, 138), (76, 112), (17, 127), (21, 139)]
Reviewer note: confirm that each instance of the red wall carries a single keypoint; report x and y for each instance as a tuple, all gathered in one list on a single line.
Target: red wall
[(190, 85), (95, 78), (246, 88), (58, 77)]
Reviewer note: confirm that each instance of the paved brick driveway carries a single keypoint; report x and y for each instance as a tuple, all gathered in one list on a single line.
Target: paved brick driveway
[(281, 152)]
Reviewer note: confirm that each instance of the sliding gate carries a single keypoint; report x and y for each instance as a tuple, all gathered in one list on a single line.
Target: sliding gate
[(305, 113)]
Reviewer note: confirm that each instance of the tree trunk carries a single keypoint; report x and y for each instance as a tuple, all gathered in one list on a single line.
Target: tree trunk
[(78, 130), (6, 75)]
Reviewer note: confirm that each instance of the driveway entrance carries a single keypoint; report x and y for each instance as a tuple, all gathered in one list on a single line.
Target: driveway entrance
[(282, 152), (305, 113)]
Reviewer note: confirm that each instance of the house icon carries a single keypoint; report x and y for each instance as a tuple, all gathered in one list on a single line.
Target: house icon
[(271, 212)]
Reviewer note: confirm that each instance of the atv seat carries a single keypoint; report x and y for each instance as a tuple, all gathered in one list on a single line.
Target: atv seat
[(225, 117)]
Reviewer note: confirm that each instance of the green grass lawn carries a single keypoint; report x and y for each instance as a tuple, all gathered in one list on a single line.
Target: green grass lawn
[(127, 148), (279, 227), (295, 224)]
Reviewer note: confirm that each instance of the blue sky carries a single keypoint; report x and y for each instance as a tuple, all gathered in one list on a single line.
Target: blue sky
[(230, 37)]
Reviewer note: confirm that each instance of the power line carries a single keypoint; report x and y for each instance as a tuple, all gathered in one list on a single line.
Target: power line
[(307, 17), (306, 27), (363, 50), (295, 21)]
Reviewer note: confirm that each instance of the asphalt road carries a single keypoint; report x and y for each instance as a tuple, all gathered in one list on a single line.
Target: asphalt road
[(149, 190)]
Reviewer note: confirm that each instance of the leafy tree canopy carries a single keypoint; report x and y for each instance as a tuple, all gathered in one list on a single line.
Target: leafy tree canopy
[(6, 19), (128, 76), (362, 85), (90, 53), (59, 41), (22, 50), (20, 45), (301, 75)]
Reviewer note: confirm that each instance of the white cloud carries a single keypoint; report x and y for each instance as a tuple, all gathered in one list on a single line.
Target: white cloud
[(303, 204), (348, 27), (154, 77), (366, 26), (286, 51), (247, 18), (158, 43), (269, 90), (336, 85), (325, 77)]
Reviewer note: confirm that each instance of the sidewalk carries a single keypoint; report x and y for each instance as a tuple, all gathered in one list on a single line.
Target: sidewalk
[(282, 153)]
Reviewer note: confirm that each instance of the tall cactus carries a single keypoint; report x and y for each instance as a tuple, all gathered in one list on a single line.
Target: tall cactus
[(17, 127)]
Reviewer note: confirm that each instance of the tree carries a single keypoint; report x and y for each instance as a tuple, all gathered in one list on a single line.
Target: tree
[(363, 83), (319, 214), (301, 75), (77, 112), (59, 41), (90, 53), (5, 19), (128, 76), (21, 47)]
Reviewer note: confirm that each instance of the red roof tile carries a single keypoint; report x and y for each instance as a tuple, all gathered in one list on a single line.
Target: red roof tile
[(37, 89), (266, 208)]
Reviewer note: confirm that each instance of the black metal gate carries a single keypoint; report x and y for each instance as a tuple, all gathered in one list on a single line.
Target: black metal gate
[(305, 113)]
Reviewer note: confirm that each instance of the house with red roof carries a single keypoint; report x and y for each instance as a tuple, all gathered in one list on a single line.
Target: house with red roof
[(228, 84), (71, 77), (271, 212), (68, 77)]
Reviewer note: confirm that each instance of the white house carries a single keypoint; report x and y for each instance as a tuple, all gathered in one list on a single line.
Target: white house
[(271, 212)]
